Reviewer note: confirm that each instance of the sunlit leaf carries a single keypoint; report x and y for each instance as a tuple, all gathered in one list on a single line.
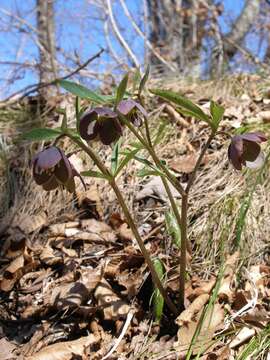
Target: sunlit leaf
[(144, 79), (128, 156), (183, 102), (157, 297), (41, 134), (94, 174), (217, 112), (121, 89), (115, 156), (81, 91), (173, 228)]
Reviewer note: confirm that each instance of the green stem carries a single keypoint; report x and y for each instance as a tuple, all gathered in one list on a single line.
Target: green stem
[(143, 249), (183, 255), (198, 162), (129, 219), (173, 180)]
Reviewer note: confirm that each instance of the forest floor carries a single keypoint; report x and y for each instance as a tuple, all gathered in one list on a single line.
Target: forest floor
[(73, 283)]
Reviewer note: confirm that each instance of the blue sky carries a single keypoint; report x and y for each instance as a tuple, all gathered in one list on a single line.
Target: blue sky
[(77, 28)]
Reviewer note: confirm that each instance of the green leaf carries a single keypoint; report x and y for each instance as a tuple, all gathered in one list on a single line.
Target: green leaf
[(217, 113), (81, 91), (148, 166), (147, 172), (115, 156), (144, 79), (121, 89), (136, 79), (173, 228), (41, 134), (183, 102), (94, 174), (157, 297), (160, 133), (128, 156)]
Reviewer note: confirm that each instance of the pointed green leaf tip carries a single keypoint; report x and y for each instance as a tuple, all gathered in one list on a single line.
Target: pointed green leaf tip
[(158, 298), (41, 134), (81, 91), (144, 79), (188, 106), (217, 112), (121, 89)]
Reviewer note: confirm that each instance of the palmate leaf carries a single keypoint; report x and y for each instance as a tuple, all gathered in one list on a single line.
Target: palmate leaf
[(82, 91), (187, 105), (40, 134)]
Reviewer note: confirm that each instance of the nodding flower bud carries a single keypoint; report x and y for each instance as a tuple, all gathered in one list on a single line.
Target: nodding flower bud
[(100, 123), (51, 169), (245, 150), (134, 111)]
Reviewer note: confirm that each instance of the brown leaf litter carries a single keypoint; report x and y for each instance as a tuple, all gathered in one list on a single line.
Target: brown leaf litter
[(74, 285)]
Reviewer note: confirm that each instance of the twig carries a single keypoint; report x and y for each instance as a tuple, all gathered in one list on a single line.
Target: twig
[(123, 332), (34, 87), (146, 41), (120, 37)]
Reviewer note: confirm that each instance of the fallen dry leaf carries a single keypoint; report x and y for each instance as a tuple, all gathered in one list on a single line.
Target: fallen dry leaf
[(186, 164), (189, 320), (7, 350), (12, 273), (244, 334), (114, 308), (30, 223), (225, 291), (64, 350), (155, 188)]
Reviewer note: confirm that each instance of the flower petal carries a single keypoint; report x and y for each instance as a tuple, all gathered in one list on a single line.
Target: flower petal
[(235, 152), (51, 184), (126, 106), (110, 130), (257, 163), (251, 150), (47, 158), (88, 125), (255, 137)]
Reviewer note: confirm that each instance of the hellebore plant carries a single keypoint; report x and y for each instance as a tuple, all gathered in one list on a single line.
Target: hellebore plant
[(105, 122)]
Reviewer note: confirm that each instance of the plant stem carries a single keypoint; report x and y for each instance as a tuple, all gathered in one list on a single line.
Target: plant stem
[(173, 180), (143, 249), (198, 162), (183, 255), (129, 219)]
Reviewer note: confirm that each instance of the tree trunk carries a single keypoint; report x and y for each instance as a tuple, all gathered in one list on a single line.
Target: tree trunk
[(241, 26), (176, 30), (46, 38)]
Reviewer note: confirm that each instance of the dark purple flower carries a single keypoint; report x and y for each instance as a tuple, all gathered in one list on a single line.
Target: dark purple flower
[(100, 123), (245, 150), (51, 168), (134, 111)]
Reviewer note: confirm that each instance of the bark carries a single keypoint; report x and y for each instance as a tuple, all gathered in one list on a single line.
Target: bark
[(178, 28), (241, 26), (176, 31), (46, 37)]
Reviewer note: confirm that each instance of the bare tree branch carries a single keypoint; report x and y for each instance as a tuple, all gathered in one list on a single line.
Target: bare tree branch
[(119, 36), (26, 91), (146, 41), (241, 27)]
